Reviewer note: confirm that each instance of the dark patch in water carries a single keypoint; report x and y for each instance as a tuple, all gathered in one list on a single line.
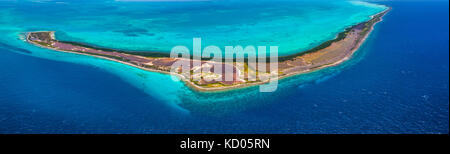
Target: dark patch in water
[(150, 34), (134, 32), (9, 47), (130, 34)]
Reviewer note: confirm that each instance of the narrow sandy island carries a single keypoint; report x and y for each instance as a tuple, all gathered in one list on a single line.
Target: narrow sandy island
[(329, 53)]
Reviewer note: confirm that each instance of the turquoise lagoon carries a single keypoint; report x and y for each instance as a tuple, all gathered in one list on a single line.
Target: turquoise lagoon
[(294, 26)]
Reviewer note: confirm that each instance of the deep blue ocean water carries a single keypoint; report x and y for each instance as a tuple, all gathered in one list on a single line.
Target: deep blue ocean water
[(396, 83)]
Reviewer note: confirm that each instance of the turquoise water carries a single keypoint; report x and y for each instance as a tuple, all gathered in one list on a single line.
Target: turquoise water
[(396, 83), (145, 25), (294, 26)]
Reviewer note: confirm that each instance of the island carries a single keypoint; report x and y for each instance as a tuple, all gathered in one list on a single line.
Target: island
[(329, 53)]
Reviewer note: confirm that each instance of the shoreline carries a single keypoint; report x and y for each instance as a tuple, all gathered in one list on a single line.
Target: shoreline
[(360, 43), (358, 40)]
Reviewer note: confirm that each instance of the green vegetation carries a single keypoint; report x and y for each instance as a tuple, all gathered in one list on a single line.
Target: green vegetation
[(339, 37), (364, 27), (326, 44), (138, 53), (42, 43)]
